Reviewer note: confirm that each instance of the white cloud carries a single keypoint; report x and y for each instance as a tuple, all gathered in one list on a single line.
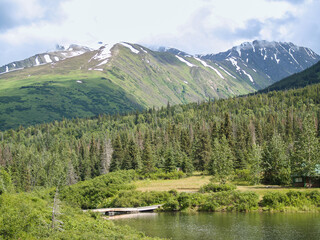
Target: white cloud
[(195, 26)]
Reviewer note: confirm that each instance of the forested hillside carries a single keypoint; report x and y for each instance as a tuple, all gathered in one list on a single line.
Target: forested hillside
[(307, 77), (266, 136)]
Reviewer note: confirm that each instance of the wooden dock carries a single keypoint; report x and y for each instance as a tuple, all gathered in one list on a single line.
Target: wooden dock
[(125, 210)]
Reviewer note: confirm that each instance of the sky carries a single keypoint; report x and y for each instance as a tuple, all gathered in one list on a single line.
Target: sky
[(28, 27)]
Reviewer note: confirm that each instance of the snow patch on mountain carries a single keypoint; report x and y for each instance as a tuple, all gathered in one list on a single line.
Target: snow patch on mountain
[(226, 71), (47, 58), (248, 75), (238, 48), (103, 55), (275, 58), (37, 61), (293, 56), (234, 63), (143, 50), (130, 47), (206, 65), (185, 61)]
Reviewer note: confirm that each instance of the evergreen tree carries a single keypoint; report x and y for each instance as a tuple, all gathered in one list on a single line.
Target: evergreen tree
[(305, 158), (222, 160), (147, 157), (117, 155), (202, 151), (255, 161), (132, 159), (276, 162), (187, 166), (169, 161), (185, 142), (226, 129)]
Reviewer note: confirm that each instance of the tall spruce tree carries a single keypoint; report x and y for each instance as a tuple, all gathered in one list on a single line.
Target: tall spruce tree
[(170, 165), (276, 162), (255, 164), (305, 159), (202, 151), (187, 166), (221, 165), (147, 157), (117, 155)]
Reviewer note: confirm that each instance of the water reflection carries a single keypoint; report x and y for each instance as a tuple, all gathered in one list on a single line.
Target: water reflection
[(187, 226)]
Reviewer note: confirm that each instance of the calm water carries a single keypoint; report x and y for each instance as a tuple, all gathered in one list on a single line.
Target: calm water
[(185, 226)]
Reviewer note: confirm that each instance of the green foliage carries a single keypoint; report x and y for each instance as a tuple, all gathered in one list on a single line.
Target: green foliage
[(211, 187), (305, 158), (187, 166), (230, 201), (5, 182), (276, 162), (221, 165), (266, 135), (147, 158), (307, 77), (29, 216), (242, 175), (160, 174), (172, 204), (298, 199), (136, 199), (91, 193), (255, 167)]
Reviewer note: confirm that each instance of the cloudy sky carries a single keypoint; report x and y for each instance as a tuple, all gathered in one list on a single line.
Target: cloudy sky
[(28, 27)]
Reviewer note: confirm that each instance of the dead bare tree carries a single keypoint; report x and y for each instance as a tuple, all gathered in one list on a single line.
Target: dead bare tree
[(106, 151)]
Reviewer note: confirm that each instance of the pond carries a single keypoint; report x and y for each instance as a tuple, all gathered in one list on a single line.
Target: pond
[(185, 226)]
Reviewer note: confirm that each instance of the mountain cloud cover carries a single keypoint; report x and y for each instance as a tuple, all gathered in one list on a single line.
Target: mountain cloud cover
[(194, 26)]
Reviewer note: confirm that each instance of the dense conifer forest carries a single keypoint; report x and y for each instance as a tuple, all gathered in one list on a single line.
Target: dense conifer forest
[(262, 138)]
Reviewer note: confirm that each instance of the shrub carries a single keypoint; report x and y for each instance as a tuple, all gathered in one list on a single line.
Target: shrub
[(136, 199), (230, 200), (89, 194), (159, 174), (297, 199), (314, 197), (211, 187), (242, 175), (275, 200), (184, 201), (172, 204)]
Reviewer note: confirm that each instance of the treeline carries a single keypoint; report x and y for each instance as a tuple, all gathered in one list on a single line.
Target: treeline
[(260, 138)]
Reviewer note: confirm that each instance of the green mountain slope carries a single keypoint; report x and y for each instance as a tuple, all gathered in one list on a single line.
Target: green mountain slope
[(90, 84), (251, 133), (82, 82), (307, 77)]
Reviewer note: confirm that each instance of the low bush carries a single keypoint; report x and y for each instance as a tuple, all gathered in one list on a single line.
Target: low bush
[(314, 197), (89, 194), (297, 199), (230, 201), (136, 199), (275, 200), (212, 187), (28, 216), (172, 204), (160, 174)]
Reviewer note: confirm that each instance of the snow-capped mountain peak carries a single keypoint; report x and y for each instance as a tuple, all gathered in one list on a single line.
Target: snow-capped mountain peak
[(274, 59)]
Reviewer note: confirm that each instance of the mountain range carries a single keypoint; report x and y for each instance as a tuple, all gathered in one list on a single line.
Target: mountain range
[(78, 81)]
